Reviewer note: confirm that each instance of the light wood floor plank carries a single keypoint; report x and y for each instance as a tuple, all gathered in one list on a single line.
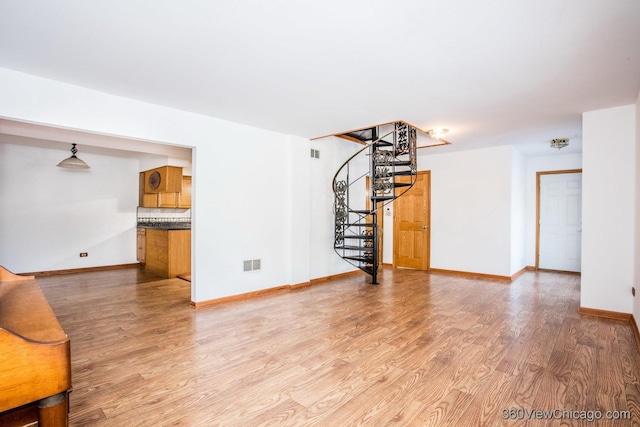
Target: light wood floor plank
[(417, 349)]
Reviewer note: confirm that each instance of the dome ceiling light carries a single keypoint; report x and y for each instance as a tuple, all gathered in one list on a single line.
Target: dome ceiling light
[(73, 162)]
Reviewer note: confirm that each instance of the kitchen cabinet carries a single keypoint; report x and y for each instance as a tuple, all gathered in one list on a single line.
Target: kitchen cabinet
[(160, 200), (141, 249), (141, 190), (185, 193), (165, 179), (181, 198), (168, 252)]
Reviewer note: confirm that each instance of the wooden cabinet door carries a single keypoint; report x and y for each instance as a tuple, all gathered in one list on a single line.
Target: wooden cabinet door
[(157, 257), (141, 250), (185, 194), (141, 190), (179, 257), (168, 200), (150, 200)]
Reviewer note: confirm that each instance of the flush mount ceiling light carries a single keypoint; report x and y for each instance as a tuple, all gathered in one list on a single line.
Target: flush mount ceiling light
[(73, 162), (559, 143), (437, 133)]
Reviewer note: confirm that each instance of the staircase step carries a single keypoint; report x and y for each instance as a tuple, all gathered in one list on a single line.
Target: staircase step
[(361, 212), (401, 184), (383, 143), (356, 236), (363, 134), (381, 198), (360, 224), (404, 173), (394, 163), (396, 173), (352, 248), (359, 258)]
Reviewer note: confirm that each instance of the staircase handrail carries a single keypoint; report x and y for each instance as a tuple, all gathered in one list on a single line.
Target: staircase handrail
[(366, 146)]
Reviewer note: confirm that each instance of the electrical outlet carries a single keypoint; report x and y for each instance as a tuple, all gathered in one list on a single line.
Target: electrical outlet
[(84, 254)]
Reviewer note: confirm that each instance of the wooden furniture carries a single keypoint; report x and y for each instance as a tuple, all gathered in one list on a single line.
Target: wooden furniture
[(141, 247), (160, 200), (165, 179), (185, 193), (174, 193), (35, 362), (168, 252)]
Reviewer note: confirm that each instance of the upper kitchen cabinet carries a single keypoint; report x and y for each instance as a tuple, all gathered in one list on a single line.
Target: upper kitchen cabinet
[(165, 187), (160, 200), (165, 179), (185, 193)]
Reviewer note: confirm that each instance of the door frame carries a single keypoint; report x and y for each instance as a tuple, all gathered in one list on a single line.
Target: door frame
[(427, 219), (538, 175)]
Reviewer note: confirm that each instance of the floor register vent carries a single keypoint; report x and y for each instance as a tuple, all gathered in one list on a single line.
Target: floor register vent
[(251, 265)]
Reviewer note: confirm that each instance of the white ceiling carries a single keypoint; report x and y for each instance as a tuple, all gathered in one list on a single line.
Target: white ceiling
[(493, 71)]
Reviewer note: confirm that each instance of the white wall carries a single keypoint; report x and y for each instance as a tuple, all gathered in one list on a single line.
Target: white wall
[(241, 177), (518, 213), (243, 194), (470, 209), (555, 161), (298, 210), (608, 206), (636, 258), (333, 153), (48, 215), (152, 161), (387, 238)]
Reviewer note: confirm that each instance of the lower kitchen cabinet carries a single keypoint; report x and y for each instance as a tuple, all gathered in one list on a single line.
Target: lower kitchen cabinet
[(168, 252), (141, 240)]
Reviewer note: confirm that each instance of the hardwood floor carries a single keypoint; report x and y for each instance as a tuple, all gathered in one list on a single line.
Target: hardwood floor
[(419, 349)]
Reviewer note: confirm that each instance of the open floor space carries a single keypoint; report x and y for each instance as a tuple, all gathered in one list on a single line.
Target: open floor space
[(417, 349)]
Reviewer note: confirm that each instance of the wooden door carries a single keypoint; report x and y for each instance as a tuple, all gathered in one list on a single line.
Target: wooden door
[(411, 221), (559, 220)]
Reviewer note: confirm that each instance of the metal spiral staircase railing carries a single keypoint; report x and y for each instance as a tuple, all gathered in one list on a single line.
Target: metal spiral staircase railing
[(392, 171)]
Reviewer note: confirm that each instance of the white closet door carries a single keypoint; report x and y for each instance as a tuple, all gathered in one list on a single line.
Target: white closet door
[(560, 221)]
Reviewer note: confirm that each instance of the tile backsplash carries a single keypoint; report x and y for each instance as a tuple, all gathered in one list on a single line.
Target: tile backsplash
[(159, 215)]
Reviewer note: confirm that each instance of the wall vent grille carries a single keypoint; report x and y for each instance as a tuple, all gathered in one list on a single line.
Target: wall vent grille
[(251, 265)]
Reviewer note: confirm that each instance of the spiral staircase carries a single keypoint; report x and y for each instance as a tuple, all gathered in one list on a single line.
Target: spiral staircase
[(383, 170)]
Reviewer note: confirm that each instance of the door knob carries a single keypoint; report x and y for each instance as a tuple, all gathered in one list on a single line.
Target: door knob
[(424, 227)]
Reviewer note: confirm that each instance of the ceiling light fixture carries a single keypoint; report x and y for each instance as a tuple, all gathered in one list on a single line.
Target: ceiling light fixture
[(73, 162), (437, 133), (559, 143)]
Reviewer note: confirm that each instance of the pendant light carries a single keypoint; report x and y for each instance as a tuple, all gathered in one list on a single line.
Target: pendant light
[(73, 162)]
